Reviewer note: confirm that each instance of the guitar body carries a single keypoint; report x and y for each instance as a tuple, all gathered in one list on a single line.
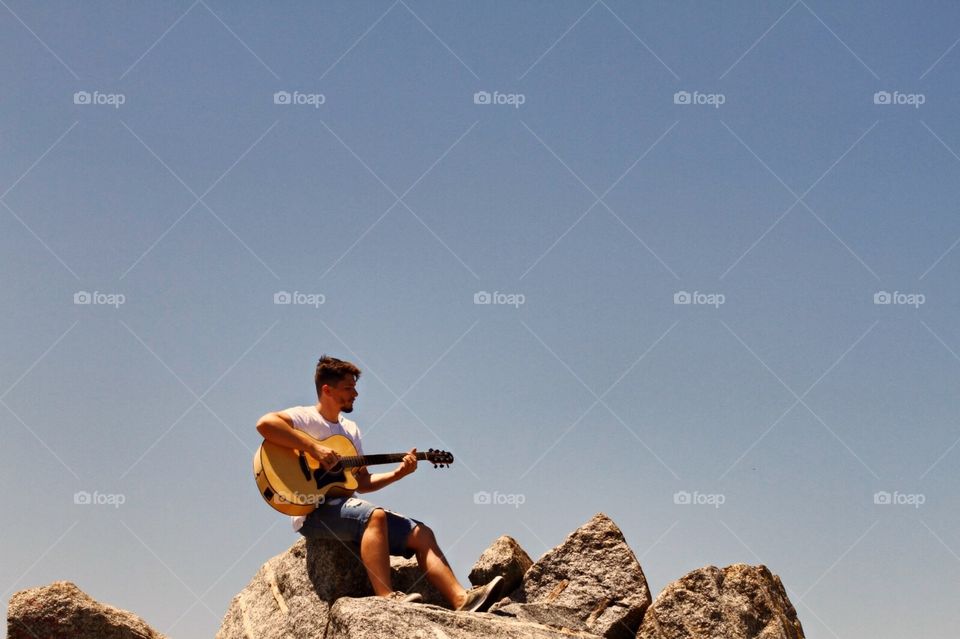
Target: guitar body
[(295, 483)]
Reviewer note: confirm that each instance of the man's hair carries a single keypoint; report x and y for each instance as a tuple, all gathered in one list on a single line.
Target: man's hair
[(331, 370)]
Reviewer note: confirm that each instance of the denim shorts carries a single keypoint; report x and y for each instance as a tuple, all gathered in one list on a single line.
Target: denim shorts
[(347, 520)]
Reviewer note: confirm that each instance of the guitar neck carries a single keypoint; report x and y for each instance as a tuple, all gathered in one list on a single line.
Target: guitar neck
[(373, 460)]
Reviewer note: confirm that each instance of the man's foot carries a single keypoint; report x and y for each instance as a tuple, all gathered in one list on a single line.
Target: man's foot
[(482, 597), (402, 597)]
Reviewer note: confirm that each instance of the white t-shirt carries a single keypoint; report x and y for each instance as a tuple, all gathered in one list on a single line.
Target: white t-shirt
[(309, 420)]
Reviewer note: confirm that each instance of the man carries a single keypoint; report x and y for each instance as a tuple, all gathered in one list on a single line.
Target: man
[(379, 532)]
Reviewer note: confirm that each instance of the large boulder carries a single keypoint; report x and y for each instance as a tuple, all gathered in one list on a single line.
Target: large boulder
[(736, 602), (375, 618), (291, 594), (504, 558), (593, 572), (545, 614), (62, 611)]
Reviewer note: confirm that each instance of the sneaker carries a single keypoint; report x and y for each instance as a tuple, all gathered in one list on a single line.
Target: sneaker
[(482, 597), (402, 597)]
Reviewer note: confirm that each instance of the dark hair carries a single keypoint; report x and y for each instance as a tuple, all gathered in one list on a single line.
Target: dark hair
[(331, 370)]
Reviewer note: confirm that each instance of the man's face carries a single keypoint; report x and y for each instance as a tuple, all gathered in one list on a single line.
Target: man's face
[(343, 393)]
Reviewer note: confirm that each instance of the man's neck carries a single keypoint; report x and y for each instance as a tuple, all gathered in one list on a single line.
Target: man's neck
[(329, 413)]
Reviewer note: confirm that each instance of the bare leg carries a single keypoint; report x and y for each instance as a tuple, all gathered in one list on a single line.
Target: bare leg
[(375, 553), (435, 566)]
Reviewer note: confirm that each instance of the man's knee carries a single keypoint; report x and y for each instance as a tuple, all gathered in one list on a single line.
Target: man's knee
[(378, 519), (376, 523), (421, 537)]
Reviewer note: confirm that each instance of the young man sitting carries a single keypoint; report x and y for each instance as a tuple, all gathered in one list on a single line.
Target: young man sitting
[(378, 532)]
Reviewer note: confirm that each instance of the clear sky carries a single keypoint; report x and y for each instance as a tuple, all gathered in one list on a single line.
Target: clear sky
[(584, 168)]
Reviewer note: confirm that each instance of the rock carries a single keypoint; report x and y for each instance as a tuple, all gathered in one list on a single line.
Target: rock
[(407, 577), (505, 558), (594, 572), (552, 615), (591, 586), (736, 602), (62, 611), (375, 618), (291, 594)]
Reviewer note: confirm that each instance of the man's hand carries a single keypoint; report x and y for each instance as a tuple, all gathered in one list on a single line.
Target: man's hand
[(368, 483), (327, 457), (409, 464)]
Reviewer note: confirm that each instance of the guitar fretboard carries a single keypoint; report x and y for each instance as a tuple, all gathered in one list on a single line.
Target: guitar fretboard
[(372, 460)]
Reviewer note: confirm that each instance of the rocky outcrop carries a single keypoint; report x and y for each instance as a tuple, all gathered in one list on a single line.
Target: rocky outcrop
[(62, 611), (291, 594), (590, 586), (375, 618), (505, 558), (551, 615), (736, 602), (594, 573)]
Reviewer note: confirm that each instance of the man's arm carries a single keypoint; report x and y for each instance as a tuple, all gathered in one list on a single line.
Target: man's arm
[(278, 429), (367, 483)]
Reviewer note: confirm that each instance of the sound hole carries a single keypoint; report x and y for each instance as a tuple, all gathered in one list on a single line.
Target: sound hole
[(333, 476)]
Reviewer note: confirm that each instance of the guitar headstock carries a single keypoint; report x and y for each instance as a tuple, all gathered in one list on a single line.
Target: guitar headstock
[(439, 458)]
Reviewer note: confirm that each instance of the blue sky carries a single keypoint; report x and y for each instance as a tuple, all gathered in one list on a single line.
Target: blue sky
[(789, 169)]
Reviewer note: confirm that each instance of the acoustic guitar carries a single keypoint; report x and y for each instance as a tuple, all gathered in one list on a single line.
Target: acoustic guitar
[(294, 483)]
